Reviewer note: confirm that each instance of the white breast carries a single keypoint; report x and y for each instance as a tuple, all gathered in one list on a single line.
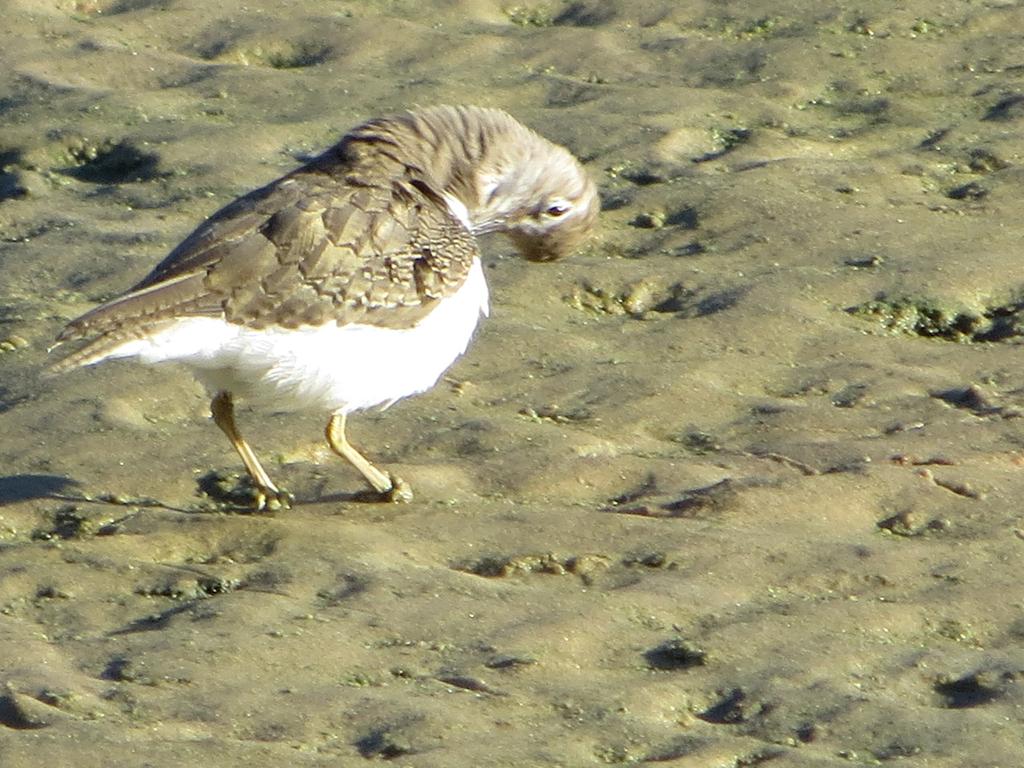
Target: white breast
[(329, 367)]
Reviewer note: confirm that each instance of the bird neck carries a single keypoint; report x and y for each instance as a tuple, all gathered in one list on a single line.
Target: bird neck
[(482, 158)]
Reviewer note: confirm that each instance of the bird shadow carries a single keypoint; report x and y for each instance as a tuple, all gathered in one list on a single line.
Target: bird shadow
[(15, 489), (223, 494), (18, 488), (341, 497)]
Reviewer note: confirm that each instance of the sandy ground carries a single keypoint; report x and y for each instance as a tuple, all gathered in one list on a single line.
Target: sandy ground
[(738, 485)]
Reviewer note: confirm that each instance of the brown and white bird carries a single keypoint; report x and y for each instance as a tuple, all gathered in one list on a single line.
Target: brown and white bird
[(353, 281)]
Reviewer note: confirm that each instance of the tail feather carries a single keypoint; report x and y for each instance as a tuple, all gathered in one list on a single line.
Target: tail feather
[(132, 316), (93, 352)]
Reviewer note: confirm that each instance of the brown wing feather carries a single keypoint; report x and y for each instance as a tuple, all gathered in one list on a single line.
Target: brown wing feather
[(315, 246)]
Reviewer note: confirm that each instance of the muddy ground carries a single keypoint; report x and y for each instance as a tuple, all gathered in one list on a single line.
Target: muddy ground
[(738, 485)]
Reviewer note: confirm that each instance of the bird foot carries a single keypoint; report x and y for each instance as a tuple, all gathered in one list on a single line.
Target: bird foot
[(231, 491), (400, 491), (272, 499)]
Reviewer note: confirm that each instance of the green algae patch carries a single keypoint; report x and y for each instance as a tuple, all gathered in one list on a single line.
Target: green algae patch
[(922, 317), (929, 318), (530, 16)]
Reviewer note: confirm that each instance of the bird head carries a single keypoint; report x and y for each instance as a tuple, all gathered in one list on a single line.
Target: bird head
[(541, 197)]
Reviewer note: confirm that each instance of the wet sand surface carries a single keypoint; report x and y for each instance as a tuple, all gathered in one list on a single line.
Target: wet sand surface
[(737, 485)]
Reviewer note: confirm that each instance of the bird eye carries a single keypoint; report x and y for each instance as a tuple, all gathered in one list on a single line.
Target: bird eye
[(557, 209)]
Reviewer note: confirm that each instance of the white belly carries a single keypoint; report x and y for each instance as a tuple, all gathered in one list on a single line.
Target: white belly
[(329, 367)]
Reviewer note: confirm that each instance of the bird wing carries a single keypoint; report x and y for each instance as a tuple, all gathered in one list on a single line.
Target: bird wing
[(316, 246)]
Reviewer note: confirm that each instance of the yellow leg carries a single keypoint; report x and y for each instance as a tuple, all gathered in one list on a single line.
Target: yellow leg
[(222, 408), (387, 485)]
